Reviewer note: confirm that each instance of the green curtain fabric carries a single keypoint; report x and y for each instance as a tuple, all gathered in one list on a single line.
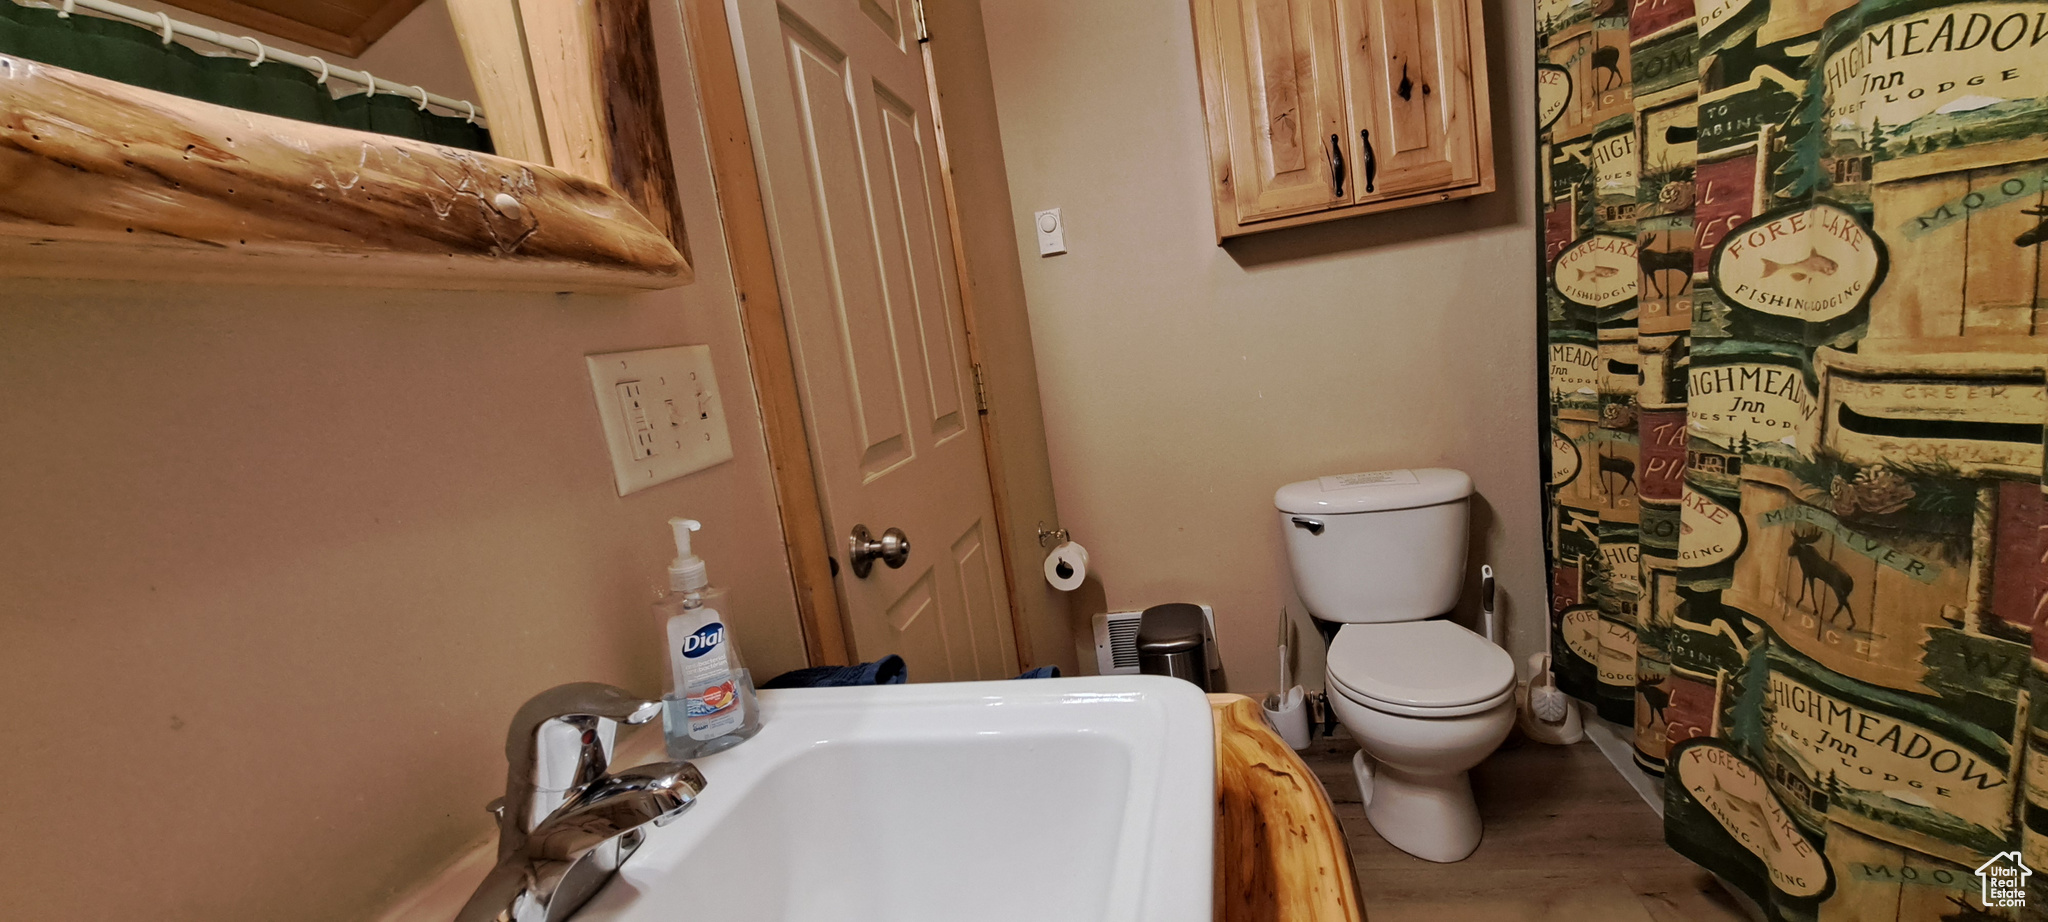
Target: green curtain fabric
[(1793, 296), (135, 55)]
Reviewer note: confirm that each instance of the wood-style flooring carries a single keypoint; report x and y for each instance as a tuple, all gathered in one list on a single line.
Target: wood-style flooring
[(1567, 840)]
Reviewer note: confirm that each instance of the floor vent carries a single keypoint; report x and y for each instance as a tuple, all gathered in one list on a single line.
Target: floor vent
[(1116, 642)]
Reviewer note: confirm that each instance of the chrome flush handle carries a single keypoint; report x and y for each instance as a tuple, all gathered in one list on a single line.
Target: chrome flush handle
[(1311, 526)]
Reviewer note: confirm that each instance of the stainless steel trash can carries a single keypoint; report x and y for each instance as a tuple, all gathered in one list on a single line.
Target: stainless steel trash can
[(1173, 640)]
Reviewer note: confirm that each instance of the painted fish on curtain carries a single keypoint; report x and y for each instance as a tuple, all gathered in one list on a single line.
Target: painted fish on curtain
[(1795, 317)]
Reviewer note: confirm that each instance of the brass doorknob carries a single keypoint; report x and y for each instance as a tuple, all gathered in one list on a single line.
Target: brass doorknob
[(892, 548)]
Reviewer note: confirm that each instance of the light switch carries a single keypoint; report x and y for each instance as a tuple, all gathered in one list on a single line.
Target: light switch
[(1052, 232), (660, 412)]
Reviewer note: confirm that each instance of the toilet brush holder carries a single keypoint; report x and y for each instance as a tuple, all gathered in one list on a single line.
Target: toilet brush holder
[(1542, 711), (1287, 714)]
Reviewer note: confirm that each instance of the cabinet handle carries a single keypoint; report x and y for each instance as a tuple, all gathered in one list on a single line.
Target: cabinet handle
[(1336, 167), (1371, 163)]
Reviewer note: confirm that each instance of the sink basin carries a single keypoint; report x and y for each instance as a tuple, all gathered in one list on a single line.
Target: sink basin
[(1072, 799)]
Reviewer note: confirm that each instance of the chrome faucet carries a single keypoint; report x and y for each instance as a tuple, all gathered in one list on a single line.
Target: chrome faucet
[(566, 822)]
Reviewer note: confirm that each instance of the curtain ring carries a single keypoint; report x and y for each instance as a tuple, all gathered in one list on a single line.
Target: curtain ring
[(370, 84), (472, 111), (261, 51), (423, 96), (323, 70), (64, 12), (166, 17)]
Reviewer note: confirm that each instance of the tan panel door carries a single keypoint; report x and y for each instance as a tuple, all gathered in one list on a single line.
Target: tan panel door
[(843, 133), (1284, 104), (1411, 96)]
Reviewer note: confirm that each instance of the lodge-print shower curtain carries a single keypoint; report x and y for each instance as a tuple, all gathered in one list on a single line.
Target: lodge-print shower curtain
[(1794, 307)]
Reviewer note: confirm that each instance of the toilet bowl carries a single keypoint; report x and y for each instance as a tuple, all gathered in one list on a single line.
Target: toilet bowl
[(1426, 701), (1383, 554)]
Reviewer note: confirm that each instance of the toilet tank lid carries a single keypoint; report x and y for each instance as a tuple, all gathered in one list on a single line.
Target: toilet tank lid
[(1374, 491)]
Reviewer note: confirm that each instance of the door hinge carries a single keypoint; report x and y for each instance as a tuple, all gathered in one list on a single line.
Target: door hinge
[(980, 391), (917, 10)]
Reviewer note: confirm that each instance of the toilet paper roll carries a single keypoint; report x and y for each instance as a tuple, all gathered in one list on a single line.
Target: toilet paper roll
[(1066, 566)]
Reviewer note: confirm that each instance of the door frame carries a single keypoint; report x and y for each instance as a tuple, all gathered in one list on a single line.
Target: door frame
[(772, 365)]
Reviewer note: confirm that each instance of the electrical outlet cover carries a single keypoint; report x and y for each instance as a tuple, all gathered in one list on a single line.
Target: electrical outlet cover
[(661, 414)]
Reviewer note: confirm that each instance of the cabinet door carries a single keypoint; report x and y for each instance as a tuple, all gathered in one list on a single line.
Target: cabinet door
[(1283, 103), (1409, 69)]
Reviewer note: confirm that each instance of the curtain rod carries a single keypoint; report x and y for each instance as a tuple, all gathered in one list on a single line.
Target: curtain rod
[(168, 27)]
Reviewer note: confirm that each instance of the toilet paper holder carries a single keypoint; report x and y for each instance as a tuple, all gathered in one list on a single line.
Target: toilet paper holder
[(1052, 538)]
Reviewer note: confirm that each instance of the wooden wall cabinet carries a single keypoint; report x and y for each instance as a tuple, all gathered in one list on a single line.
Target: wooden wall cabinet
[(1325, 109)]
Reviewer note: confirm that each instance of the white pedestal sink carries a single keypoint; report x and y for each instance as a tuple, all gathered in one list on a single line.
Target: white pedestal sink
[(1073, 800)]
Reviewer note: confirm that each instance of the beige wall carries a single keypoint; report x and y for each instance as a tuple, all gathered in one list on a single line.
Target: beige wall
[(1183, 382), (279, 563)]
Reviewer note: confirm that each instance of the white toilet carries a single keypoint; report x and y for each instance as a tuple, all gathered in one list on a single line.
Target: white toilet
[(1382, 553)]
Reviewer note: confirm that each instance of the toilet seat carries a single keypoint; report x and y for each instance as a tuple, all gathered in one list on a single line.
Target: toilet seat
[(1420, 668), (1404, 710)]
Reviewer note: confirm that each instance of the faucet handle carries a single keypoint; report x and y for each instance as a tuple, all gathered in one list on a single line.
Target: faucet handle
[(581, 705), (594, 700), (560, 741)]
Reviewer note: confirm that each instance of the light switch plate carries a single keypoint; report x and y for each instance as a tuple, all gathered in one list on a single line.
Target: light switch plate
[(661, 413), (1052, 232)]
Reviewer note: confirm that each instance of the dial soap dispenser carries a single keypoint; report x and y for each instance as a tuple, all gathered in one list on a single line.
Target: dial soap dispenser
[(709, 700)]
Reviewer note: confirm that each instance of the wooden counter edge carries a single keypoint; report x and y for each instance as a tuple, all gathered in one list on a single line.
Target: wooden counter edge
[(1280, 852)]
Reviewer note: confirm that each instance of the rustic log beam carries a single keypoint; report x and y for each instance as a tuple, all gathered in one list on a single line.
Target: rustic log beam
[(495, 49), (106, 168), (1280, 854), (565, 73), (599, 92), (635, 126)]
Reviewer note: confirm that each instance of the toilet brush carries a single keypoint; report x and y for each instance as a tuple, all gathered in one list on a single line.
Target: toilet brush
[(1541, 708), (1285, 710), (1547, 715), (1488, 621), (1546, 700)]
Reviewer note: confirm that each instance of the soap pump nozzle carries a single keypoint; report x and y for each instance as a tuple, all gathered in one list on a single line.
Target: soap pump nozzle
[(686, 572)]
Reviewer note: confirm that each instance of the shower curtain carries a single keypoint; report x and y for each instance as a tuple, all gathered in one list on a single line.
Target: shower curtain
[(1793, 300)]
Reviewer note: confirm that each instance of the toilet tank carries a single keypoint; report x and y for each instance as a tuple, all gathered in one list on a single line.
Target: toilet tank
[(1379, 545)]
